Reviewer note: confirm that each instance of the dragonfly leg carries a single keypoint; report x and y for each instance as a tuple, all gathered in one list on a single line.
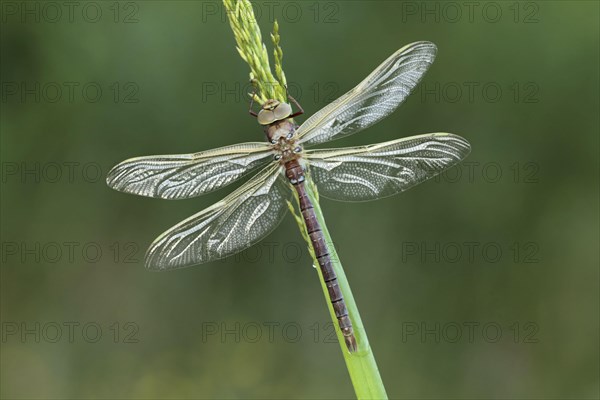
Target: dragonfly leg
[(296, 103), (250, 110)]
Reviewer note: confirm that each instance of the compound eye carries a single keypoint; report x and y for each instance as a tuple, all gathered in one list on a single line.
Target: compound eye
[(282, 111), (290, 135), (298, 149), (273, 141), (265, 117), (277, 157)]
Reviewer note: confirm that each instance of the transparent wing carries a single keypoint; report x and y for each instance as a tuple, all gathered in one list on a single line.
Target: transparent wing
[(187, 175), (374, 98), (380, 170), (229, 226)]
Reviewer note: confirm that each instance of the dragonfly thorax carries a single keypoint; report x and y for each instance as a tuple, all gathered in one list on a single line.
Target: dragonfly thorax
[(278, 130), (286, 149)]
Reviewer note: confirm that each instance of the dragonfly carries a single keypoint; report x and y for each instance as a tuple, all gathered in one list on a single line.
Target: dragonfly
[(252, 211)]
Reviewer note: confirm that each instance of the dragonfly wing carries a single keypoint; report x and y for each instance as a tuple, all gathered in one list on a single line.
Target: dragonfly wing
[(380, 170), (229, 226), (187, 175), (374, 98)]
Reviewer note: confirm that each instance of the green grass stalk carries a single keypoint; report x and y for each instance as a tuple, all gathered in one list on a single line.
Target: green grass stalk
[(361, 364)]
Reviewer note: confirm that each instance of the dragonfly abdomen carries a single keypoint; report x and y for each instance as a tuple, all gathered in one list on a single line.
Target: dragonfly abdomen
[(295, 174)]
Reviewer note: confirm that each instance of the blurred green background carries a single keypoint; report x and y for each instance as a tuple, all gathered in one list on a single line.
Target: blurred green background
[(480, 284)]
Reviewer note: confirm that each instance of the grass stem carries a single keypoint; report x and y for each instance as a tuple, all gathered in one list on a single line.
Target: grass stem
[(361, 364)]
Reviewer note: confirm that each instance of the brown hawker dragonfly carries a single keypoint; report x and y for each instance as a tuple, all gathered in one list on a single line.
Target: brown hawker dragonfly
[(256, 208)]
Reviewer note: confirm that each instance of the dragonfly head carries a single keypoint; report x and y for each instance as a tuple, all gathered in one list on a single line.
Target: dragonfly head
[(273, 111)]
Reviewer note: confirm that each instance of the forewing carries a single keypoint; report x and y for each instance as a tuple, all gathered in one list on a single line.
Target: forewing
[(229, 226), (187, 175), (374, 98), (380, 170)]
